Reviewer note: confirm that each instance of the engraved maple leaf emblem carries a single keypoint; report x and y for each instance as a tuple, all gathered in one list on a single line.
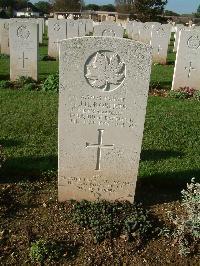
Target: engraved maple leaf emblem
[(104, 70)]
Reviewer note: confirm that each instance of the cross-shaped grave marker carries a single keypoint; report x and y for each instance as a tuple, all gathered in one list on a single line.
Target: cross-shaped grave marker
[(23, 58), (190, 69), (159, 49), (99, 146), (57, 44)]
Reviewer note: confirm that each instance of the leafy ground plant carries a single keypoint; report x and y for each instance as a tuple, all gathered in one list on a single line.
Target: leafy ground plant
[(51, 83), (25, 83), (187, 226), (109, 220), (43, 250), (4, 84), (197, 95), (183, 93)]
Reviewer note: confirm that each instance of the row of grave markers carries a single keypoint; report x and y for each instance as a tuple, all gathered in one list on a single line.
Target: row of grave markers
[(69, 28), (23, 40)]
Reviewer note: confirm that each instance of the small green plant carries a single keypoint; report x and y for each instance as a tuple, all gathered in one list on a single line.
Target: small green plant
[(26, 83), (30, 86), (4, 56), (183, 93), (187, 226), (51, 83), (197, 95), (42, 250), (178, 94), (4, 84), (109, 220)]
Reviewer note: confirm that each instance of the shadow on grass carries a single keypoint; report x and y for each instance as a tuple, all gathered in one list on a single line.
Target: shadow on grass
[(11, 207), (26, 168), (164, 187), (160, 85), (4, 77), (157, 155), (9, 143), (170, 62)]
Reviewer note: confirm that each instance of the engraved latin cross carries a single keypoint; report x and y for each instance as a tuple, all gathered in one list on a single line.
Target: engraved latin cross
[(23, 58), (99, 146), (190, 69), (159, 49), (57, 44)]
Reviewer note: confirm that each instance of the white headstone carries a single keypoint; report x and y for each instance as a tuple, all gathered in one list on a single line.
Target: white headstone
[(89, 26), (104, 86), (81, 27), (187, 66), (178, 28), (4, 32), (110, 29), (129, 27), (40, 22), (136, 30), (57, 31), (145, 32), (23, 50), (159, 41), (72, 28)]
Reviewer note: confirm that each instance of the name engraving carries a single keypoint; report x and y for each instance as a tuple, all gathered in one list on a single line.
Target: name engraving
[(100, 110)]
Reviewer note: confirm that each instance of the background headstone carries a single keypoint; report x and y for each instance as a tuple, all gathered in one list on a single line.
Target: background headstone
[(145, 32), (178, 28), (136, 30), (104, 86), (129, 28), (4, 32), (81, 27), (187, 65), (110, 29), (89, 26), (72, 28), (23, 50), (41, 31), (159, 41), (57, 31)]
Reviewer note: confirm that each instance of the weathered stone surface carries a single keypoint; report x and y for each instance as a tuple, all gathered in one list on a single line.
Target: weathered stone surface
[(110, 29), (178, 28), (129, 27), (4, 33), (89, 26), (187, 67), (104, 85), (23, 50), (72, 28), (159, 41), (136, 30), (57, 31), (81, 27), (145, 32), (40, 22)]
